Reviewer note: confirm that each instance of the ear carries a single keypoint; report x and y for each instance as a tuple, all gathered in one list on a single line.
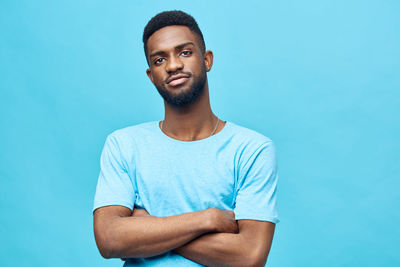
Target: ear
[(208, 59), (150, 75)]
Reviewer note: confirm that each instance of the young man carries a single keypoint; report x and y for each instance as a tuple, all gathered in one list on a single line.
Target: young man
[(192, 189)]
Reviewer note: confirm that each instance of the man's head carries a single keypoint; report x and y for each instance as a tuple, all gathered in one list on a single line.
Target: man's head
[(175, 52)]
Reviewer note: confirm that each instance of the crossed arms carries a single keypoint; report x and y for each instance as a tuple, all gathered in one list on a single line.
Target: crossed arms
[(210, 237)]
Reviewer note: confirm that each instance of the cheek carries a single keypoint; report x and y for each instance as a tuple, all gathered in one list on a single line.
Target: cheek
[(198, 64), (191, 67), (197, 67), (157, 77)]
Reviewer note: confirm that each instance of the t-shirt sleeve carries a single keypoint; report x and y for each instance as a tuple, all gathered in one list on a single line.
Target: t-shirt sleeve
[(114, 186), (257, 183)]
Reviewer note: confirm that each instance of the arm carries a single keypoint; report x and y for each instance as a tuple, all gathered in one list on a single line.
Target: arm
[(250, 247), (120, 235)]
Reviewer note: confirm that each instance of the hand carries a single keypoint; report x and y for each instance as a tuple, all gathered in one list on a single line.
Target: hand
[(223, 221)]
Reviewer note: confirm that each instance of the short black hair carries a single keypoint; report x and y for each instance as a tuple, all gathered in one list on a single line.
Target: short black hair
[(169, 18)]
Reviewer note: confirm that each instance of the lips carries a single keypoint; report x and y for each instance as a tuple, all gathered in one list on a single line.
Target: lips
[(178, 79)]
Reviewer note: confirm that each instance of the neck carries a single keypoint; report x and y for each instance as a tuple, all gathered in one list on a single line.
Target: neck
[(192, 122)]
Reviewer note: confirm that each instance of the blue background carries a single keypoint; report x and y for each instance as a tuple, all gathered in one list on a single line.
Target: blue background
[(320, 78)]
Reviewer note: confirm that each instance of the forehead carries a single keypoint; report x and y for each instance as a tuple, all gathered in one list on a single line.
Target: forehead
[(169, 37)]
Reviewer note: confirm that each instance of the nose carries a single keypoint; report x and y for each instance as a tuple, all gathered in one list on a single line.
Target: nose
[(173, 64)]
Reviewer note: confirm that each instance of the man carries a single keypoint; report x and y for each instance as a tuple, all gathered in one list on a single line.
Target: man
[(192, 189)]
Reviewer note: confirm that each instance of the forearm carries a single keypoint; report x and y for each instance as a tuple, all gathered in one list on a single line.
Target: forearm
[(250, 247), (139, 237), (219, 249)]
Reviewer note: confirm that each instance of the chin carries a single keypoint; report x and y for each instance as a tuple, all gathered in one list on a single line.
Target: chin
[(182, 89)]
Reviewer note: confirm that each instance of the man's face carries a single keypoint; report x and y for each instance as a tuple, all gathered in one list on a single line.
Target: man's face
[(177, 65)]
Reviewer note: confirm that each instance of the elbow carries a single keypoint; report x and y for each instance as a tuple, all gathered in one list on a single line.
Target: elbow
[(110, 232), (256, 259), (252, 257), (247, 259), (109, 247), (107, 251), (256, 263)]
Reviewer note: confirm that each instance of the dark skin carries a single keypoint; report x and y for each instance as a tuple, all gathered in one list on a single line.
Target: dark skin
[(191, 122), (249, 247), (210, 237)]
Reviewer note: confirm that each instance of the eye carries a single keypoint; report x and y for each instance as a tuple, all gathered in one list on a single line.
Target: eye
[(186, 53), (159, 60)]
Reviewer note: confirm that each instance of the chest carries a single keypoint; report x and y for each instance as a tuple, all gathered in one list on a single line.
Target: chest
[(171, 182)]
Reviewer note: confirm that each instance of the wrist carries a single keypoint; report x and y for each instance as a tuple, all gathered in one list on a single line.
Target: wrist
[(209, 220)]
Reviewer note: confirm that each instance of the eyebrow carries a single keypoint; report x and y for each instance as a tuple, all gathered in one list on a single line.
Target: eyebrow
[(178, 47)]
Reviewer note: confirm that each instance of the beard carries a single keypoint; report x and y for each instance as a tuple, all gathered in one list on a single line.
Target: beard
[(185, 97)]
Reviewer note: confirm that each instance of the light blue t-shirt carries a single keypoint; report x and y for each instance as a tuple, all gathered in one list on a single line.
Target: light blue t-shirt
[(234, 169)]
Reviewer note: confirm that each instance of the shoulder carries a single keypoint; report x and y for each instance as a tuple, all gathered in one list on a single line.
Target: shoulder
[(251, 144), (126, 139), (248, 136)]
